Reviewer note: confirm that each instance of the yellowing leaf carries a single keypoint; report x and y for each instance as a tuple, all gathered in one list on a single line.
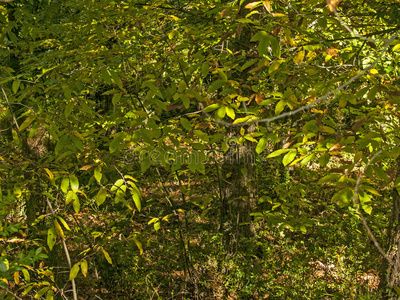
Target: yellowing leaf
[(51, 176), (74, 183), (397, 47), (136, 199), (51, 238), (77, 205), (58, 228), (74, 271), (374, 71), (101, 196), (49, 295), (299, 57), (64, 185), (63, 222), (84, 267), (16, 277), (289, 157), (252, 5), (267, 5), (107, 256), (98, 174)]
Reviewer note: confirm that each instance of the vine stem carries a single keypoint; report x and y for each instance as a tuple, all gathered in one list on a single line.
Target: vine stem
[(74, 291)]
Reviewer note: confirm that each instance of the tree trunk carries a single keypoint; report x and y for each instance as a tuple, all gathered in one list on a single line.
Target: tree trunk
[(238, 197), (390, 274)]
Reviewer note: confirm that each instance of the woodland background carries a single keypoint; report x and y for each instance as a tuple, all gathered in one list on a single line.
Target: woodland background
[(175, 149)]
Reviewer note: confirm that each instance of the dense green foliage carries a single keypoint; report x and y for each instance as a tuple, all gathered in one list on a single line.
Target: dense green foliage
[(199, 149)]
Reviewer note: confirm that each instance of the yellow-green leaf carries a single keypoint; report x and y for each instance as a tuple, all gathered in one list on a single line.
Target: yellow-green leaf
[(101, 196), (107, 256), (299, 57), (63, 222), (84, 267), (97, 173), (64, 185), (51, 237), (136, 199), (74, 271), (74, 182), (289, 157)]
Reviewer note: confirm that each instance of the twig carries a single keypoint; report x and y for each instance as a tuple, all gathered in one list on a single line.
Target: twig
[(74, 291), (358, 207), (312, 104), (346, 26)]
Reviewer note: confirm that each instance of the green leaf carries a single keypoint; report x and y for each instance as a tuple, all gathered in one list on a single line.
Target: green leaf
[(275, 66), (116, 80), (136, 200), (261, 35), (65, 185), (186, 124), (249, 63), (107, 256), (380, 173), (139, 245), (157, 225), (116, 98), (116, 142), (41, 292), (273, 42), (3, 267), (71, 196), (145, 164), (74, 271), (185, 100), (51, 237), (50, 295), (307, 159), (230, 112), (280, 106), (396, 288), (76, 205), (74, 183), (101, 196), (97, 173), (15, 86), (278, 152), (344, 197), (68, 109), (216, 85), (333, 178), (221, 112), (153, 88), (222, 75), (67, 91), (324, 159), (262, 144), (84, 267), (106, 76), (27, 277), (26, 123), (212, 107), (289, 157)]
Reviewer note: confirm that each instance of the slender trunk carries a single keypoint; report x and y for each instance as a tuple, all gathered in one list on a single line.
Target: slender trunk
[(390, 274), (238, 191)]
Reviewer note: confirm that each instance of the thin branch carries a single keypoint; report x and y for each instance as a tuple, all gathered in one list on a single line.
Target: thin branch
[(346, 26), (312, 104), (358, 207), (74, 291)]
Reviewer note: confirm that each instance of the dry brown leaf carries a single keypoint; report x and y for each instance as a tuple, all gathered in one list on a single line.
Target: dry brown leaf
[(267, 5), (332, 4)]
